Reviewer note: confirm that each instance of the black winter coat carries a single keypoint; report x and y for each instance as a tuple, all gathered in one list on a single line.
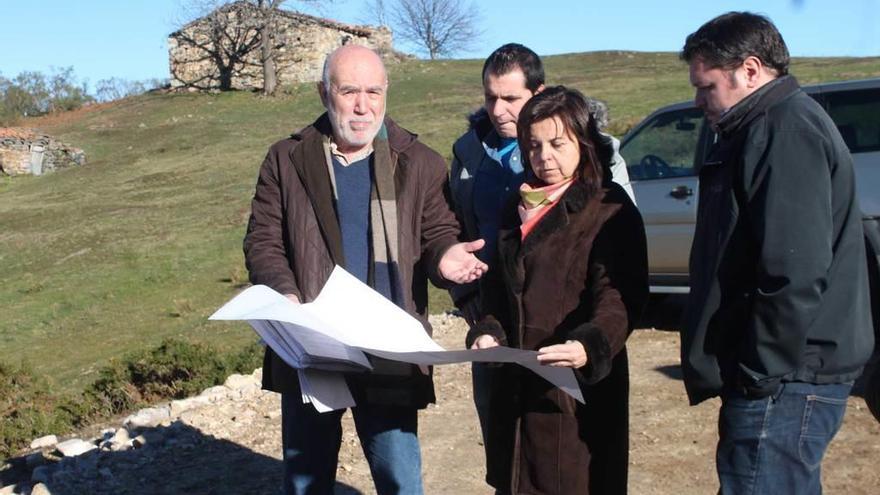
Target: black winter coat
[(779, 287)]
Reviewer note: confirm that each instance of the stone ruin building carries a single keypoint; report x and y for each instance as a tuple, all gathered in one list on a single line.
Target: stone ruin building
[(29, 152), (222, 49)]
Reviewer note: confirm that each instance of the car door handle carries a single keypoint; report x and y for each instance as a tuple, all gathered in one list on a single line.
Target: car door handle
[(681, 192)]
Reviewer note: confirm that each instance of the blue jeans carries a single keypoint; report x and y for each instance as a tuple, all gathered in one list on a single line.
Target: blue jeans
[(775, 445), (311, 441)]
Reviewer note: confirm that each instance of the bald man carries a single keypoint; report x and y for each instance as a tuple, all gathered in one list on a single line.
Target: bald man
[(354, 189)]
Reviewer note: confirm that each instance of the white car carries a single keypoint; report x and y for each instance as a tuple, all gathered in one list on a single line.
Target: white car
[(664, 154)]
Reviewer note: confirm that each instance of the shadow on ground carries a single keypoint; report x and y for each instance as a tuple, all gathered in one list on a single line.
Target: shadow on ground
[(672, 371), (664, 312), (177, 459)]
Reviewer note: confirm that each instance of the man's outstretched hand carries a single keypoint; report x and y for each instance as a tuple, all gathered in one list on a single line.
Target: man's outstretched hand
[(460, 265)]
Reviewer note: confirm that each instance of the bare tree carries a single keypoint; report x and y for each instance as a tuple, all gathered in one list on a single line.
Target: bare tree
[(375, 12), (439, 27), (267, 10), (233, 37)]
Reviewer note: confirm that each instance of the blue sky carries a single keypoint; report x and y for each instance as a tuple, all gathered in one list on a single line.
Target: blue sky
[(126, 38)]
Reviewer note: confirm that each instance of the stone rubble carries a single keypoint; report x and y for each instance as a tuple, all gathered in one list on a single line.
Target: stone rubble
[(176, 447), (75, 447), (79, 465), (44, 442), (31, 152)]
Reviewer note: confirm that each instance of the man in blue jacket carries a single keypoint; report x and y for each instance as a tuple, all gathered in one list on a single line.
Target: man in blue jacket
[(487, 169), (778, 323)]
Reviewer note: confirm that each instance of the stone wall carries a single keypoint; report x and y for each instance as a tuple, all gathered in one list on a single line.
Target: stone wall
[(29, 152), (302, 43)]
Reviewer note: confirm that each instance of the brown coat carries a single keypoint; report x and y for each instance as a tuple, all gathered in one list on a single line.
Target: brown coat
[(293, 242), (581, 274)]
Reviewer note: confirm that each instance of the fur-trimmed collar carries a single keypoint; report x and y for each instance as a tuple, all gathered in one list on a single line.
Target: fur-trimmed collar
[(577, 198)]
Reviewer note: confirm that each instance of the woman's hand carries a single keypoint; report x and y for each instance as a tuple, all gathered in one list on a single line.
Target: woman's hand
[(484, 342), (571, 354)]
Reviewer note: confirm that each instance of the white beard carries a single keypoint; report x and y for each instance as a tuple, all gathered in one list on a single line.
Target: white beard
[(345, 135)]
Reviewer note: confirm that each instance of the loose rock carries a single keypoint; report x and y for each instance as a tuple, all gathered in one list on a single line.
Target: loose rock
[(152, 416), (74, 447), (44, 442), (40, 489)]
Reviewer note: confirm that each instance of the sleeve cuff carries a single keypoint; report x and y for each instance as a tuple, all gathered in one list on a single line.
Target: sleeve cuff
[(598, 353), (486, 326)]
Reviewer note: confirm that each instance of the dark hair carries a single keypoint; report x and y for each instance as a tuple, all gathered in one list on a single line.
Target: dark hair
[(727, 40), (573, 109), (514, 56)]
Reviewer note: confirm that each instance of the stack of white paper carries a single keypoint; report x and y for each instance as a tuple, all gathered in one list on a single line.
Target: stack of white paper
[(347, 319)]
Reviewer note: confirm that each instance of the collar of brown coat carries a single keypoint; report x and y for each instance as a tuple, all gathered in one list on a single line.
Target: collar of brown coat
[(577, 198), (308, 159)]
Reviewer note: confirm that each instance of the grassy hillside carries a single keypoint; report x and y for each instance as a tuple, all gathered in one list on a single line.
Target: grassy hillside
[(144, 242)]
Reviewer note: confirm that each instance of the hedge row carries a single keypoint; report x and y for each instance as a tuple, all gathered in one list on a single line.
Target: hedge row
[(174, 370)]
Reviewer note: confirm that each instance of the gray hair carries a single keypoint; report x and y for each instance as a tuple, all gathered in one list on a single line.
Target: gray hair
[(325, 72)]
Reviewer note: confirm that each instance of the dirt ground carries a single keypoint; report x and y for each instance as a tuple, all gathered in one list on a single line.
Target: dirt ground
[(672, 445), (234, 447)]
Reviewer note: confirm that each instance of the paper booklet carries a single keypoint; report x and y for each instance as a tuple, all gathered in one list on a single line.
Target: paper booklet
[(345, 322)]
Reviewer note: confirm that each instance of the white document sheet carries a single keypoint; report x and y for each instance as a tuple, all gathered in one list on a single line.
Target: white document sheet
[(367, 319), (325, 390), (348, 319)]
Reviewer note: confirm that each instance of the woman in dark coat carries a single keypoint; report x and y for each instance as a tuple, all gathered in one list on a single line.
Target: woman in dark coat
[(570, 282)]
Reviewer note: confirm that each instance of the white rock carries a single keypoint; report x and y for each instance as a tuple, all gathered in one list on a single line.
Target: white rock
[(180, 406), (75, 447), (7, 490), (258, 374), (120, 447), (121, 436), (47, 441), (237, 381), (151, 416), (40, 489), (215, 393), (244, 416), (246, 392)]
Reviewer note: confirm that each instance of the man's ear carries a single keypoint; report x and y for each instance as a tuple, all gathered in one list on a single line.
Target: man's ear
[(322, 93), (540, 88), (753, 70)]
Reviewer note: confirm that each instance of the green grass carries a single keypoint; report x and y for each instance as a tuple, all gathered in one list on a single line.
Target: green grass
[(144, 242)]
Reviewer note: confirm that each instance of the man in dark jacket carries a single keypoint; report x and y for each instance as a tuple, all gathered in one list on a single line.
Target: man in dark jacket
[(354, 189), (487, 169), (778, 322)]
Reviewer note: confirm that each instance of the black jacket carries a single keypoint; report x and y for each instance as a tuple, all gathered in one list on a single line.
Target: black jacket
[(779, 288)]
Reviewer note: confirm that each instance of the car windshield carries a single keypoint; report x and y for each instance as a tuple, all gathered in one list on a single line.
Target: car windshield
[(665, 147), (856, 115)]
